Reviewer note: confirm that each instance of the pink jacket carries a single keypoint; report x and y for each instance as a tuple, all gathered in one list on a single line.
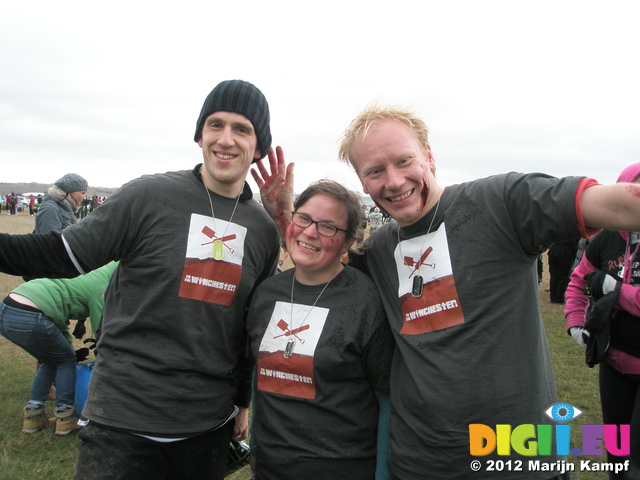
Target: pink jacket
[(629, 299)]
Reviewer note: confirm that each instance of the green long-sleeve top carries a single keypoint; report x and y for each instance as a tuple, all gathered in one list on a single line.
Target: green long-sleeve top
[(67, 299)]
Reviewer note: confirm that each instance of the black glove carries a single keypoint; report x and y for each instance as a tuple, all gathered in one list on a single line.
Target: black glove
[(82, 354), (80, 330), (92, 345), (599, 283)]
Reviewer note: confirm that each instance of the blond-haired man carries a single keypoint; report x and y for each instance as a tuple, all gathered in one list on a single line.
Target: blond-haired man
[(457, 274)]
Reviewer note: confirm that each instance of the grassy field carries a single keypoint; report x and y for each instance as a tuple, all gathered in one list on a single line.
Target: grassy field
[(44, 456)]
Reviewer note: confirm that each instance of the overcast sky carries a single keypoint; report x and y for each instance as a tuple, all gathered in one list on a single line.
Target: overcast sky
[(112, 90)]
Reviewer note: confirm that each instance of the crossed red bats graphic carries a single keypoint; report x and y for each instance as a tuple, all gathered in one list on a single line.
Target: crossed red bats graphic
[(410, 262), (284, 326), (212, 235)]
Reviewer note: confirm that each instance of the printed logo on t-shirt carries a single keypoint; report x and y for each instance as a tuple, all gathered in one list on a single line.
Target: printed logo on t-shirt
[(213, 264), (291, 376), (424, 263)]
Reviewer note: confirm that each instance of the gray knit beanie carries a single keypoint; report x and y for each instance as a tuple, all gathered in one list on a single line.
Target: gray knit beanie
[(241, 97), (72, 182)]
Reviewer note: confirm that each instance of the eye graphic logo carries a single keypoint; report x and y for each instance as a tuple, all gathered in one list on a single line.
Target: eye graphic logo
[(538, 440), (562, 412)]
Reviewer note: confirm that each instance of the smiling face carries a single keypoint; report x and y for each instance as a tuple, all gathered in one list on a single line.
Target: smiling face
[(78, 197), (317, 257), (229, 146), (396, 170)]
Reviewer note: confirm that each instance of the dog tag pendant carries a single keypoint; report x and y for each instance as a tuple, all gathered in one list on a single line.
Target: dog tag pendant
[(218, 252), (288, 350), (416, 291)]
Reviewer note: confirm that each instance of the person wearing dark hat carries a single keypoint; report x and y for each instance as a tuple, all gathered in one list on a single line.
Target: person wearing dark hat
[(168, 391), (58, 209)]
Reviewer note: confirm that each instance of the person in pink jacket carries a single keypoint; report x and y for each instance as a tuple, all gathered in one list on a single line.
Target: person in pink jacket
[(609, 264)]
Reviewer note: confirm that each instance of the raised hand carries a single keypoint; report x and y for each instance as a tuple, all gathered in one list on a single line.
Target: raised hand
[(276, 188)]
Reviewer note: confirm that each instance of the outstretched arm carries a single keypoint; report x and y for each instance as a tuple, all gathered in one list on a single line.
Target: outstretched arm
[(613, 207), (276, 189), (36, 255)]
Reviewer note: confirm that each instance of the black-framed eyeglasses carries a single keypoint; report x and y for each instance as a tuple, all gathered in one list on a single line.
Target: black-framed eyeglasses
[(326, 229)]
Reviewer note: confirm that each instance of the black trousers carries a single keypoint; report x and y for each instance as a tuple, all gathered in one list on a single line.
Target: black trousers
[(559, 272), (565, 476), (106, 454), (620, 399)]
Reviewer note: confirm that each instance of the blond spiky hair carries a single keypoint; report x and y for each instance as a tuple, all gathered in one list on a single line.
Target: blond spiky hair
[(373, 114)]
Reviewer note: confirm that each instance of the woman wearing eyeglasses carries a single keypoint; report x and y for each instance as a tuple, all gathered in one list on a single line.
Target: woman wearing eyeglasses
[(322, 349)]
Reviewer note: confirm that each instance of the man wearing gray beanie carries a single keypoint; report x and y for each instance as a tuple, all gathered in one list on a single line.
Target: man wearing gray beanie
[(168, 391), (60, 203)]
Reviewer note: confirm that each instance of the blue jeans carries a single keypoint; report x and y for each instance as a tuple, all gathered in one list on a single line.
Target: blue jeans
[(40, 337)]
